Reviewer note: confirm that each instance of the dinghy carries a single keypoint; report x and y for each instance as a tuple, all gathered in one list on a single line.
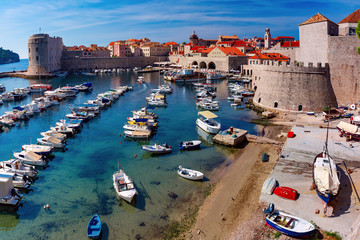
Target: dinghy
[(190, 174), (124, 186), (94, 227), (286, 192), (190, 145), (156, 148), (288, 224), (269, 186)]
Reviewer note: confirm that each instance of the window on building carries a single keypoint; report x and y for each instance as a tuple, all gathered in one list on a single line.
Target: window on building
[(259, 100), (300, 108), (352, 31), (37, 58), (275, 104), (37, 49), (29, 50)]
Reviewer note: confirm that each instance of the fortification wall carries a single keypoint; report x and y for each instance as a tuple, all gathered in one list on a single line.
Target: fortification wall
[(290, 87), (344, 64), (83, 63)]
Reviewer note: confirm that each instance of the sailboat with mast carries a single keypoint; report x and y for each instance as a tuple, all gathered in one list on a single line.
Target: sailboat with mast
[(325, 176)]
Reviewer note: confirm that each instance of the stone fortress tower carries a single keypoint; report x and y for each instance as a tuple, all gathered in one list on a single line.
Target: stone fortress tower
[(325, 71), (267, 38), (44, 54)]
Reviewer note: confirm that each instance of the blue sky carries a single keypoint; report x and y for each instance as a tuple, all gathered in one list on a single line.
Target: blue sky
[(102, 21)]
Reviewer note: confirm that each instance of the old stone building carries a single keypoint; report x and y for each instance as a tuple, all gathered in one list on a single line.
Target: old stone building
[(44, 54), (325, 70)]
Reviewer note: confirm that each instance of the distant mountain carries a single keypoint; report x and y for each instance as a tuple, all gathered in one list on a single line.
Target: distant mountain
[(7, 56)]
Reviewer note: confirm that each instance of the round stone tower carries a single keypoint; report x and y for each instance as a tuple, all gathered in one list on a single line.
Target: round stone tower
[(44, 54)]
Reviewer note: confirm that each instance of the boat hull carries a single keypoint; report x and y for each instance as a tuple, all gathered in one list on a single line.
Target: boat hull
[(94, 227), (286, 192), (206, 127), (287, 232)]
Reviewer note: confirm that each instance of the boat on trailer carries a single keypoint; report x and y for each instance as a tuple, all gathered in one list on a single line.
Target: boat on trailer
[(288, 224)]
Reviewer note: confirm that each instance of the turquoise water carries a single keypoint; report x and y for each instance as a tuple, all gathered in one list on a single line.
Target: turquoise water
[(19, 66), (78, 182)]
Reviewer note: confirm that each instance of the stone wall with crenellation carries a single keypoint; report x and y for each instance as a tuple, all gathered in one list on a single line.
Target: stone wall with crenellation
[(291, 87)]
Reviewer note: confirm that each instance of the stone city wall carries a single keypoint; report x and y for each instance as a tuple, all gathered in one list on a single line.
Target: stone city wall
[(344, 64), (85, 63), (290, 87)]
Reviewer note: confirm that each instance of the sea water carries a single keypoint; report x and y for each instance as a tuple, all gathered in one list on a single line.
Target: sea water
[(78, 181)]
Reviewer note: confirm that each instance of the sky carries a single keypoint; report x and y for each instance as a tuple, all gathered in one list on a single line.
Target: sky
[(85, 22)]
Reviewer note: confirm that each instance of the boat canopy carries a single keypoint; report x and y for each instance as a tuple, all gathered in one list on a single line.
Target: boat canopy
[(208, 114), (348, 127), (141, 120), (19, 108), (33, 155)]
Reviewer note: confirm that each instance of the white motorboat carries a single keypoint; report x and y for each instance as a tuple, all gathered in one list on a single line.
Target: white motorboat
[(38, 149), (18, 181), (214, 76), (124, 186), (87, 86), (157, 103), (16, 167), (190, 145), (7, 120), (63, 129), (138, 134), (51, 141), (54, 134), (16, 113), (209, 106), (75, 124), (136, 127), (208, 124), (156, 148), (30, 158), (190, 174), (8, 194)]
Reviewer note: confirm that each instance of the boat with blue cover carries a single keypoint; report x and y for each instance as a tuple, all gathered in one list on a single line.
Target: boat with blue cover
[(288, 224), (94, 227)]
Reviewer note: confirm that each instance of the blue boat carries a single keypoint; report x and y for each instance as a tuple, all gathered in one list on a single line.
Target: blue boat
[(288, 224), (94, 227)]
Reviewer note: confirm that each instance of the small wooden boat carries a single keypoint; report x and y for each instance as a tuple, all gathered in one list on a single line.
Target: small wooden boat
[(286, 192), (269, 186), (94, 227), (190, 174), (124, 186), (288, 224), (190, 145), (158, 149)]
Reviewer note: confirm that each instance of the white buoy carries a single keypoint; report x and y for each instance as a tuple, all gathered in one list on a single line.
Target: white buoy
[(47, 206)]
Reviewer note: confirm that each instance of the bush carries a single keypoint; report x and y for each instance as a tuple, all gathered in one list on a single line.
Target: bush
[(333, 234)]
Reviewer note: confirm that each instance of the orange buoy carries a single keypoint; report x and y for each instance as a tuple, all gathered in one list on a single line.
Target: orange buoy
[(135, 155), (120, 142)]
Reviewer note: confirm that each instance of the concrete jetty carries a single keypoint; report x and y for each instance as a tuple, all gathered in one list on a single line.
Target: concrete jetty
[(231, 137), (294, 170)]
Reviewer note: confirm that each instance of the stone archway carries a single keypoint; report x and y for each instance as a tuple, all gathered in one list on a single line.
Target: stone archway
[(195, 63), (202, 65), (212, 65)]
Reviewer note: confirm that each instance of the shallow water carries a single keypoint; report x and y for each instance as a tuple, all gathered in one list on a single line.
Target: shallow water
[(78, 182)]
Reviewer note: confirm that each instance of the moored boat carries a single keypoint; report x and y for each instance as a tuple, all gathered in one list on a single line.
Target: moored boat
[(157, 148), (51, 141), (8, 194), (208, 124), (39, 149), (144, 134), (288, 224), (30, 158), (124, 186), (190, 145), (93, 230), (16, 167), (190, 173)]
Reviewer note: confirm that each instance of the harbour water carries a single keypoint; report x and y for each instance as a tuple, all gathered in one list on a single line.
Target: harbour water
[(78, 182)]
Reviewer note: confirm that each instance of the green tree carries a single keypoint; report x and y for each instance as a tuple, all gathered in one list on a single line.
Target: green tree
[(357, 30)]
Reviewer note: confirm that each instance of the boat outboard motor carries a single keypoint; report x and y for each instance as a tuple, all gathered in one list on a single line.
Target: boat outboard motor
[(14, 193), (270, 209)]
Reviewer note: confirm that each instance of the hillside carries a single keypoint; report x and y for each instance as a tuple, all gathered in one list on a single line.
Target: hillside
[(7, 56)]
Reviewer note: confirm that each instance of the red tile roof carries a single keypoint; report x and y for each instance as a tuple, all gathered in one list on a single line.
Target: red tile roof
[(231, 51), (291, 44), (280, 37), (316, 18), (270, 56), (352, 18), (170, 43)]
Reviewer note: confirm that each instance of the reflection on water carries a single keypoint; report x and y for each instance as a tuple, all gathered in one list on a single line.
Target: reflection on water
[(78, 182), (204, 136)]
